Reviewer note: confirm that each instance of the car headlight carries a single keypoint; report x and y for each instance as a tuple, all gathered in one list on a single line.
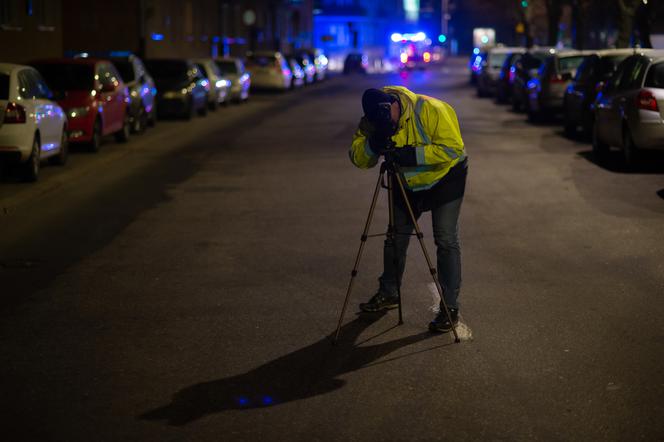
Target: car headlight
[(222, 83), (78, 111)]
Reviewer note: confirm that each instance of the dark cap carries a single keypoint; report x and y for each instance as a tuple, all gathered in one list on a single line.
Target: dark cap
[(371, 101)]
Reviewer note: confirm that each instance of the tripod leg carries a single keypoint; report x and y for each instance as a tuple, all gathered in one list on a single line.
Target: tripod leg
[(420, 238), (392, 236), (363, 240)]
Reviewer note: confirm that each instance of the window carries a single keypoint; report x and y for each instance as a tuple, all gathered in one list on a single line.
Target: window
[(66, 77), (126, 69), (227, 66), (42, 88), (655, 76), (570, 64), (45, 11), (586, 71), (634, 77), (11, 18), (618, 80), (608, 65)]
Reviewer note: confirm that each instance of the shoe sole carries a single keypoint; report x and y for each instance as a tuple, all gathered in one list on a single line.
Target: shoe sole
[(434, 329), (380, 309)]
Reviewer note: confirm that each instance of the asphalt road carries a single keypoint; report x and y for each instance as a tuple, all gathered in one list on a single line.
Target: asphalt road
[(184, 286)]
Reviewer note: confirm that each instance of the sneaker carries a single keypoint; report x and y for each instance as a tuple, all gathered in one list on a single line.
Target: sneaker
[(441, 323), (380, 302)]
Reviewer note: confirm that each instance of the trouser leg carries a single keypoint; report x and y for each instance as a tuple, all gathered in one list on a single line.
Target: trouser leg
[(448, 252), (396, 249)]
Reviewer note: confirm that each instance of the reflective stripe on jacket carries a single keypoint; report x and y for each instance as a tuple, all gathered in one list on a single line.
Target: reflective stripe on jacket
[(428, 124)]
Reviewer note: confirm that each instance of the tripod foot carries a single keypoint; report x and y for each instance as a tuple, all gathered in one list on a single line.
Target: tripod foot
[(457, 340)]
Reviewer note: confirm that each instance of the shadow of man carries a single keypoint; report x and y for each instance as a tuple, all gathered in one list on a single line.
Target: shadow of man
[(307, 372)]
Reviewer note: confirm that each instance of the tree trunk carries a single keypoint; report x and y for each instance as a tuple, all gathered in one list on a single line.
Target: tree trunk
[(644, 18), (553, 11), (627, 10)]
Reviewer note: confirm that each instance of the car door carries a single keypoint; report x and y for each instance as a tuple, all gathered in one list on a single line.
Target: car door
[(607, 110), (110, 111), (30, 100), (54, 118)]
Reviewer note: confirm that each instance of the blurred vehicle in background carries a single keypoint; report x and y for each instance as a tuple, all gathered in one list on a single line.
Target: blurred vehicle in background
[(629, 111), (298, 78), (414, 50), (523, 70), (269, 70), (590, 77), (503, 86), (32, 127), (93, 95), (546, 90), (142, 90), (307, 66), (232, 68), (219, 90), (181, 87), (490, 68), (475, 64), (320, 63), (355, 63)]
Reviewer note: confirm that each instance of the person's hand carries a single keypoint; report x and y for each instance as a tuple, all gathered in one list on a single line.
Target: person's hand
[(404, 156), (366, 127)]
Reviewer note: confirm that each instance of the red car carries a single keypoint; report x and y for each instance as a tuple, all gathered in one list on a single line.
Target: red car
[(93, 95)]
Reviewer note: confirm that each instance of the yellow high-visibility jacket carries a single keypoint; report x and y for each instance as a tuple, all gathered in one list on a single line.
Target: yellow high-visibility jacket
[(428, 124)]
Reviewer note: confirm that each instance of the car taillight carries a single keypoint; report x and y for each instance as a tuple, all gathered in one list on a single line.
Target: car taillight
[(647, 101), (14, 113), (426, 57)]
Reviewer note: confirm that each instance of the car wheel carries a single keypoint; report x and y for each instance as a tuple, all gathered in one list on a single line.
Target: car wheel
[(31, 167), (152, 121), (140, 122), (203, 110), (630, 151), (189, 110), (213, 105), (516, 106), (61, 158), (95, 142), (600, 149), (122, 136)]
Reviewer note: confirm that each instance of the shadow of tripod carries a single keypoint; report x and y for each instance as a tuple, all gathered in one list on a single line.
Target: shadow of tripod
[(389, 169), (307, 372)]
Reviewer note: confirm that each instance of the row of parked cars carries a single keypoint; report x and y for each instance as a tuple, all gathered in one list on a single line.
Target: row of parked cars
[(47, 104), (614, 96)]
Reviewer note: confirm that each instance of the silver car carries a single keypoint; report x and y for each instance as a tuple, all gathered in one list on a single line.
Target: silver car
[(489, 74), (219, 92), (629, 111), (233, 69), (269, 70)]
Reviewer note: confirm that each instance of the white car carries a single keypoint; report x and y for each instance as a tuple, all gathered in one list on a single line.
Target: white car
[(32, 127), (269, 70), (219, 86), (233, 69)]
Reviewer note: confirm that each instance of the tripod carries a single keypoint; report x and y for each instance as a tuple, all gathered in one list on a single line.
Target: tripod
[(391, 169)]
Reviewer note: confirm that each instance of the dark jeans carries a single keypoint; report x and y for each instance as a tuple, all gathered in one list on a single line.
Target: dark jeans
[(448, 253)]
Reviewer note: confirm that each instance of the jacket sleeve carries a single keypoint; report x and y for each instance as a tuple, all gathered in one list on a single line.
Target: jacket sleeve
[(442, 136), (360, 152)]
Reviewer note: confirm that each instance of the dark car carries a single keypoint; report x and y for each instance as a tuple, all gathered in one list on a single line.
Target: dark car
[(142, 91), (181, 87), (523, 69), (356, 63), (546, 90), (490, 68), (93, 95), (591, 75), (503, 85)]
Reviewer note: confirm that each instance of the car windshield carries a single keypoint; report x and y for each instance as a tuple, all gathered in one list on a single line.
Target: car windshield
[(167, 69), (126, 69), (569, 64), (655, 76), (496, 60), (227, 66), (261, 60), (67, 77), (4, 87)]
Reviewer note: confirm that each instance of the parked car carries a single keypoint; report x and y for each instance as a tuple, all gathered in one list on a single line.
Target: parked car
[(523, 70), (355, 63), (93, 95), (475, 64), (320, 63), (32, 126), (269, 70), (232, 68), (546, 90), (297, 80), (503, 92), (219, 92), (142, 91), (629, 111), (307, 66), (181, 87), (490, 69), (590, 77)]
